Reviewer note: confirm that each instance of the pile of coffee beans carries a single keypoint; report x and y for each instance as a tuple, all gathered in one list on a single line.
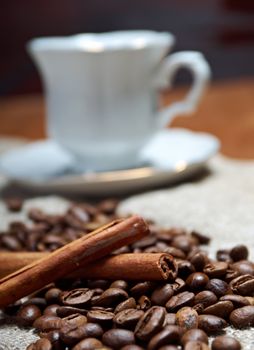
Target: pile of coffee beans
[(206, 297)]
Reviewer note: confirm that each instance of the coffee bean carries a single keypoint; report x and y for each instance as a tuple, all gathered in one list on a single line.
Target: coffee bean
[(150, 323), (129, 303), (47, 323), (10, 242), (169, 347), (184, 243), (102, 317), (14, 204), (202, 239), (73, 336), (196, 345), (119, 284), (185, 268), (180, 300), (250, 300), (117, 338), (199, 308), (197, 281), (111, 297), (169, 335), (237, 300), (175, 252), (144, 303), (217, 286), (42, 344), (223, 255), (132, 347), (199, 260), (40, 302), (63, 311), (216, 269), (178, 285), (239, 252), (242, 317), (145, 242), (28, 314), (221, 309), (170, 319), (73, 321), (244, 267), (162, 294), (53, 295), (128, 318), (80, 297), (142, 288), (88, 344), (205, 298), (194, 335), (225, 343), (243, 285), (51, 310), (211, 324), (103, 284), (187, 318), (54, 338)]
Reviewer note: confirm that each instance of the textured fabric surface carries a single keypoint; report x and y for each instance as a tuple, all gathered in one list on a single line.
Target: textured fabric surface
[(221, 205)]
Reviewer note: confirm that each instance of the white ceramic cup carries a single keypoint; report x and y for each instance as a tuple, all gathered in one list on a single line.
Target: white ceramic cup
[(102, 91)]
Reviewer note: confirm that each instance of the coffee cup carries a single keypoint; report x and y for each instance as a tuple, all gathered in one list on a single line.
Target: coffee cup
[(102, 92)]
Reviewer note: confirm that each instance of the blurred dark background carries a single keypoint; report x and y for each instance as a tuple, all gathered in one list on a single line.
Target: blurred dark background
[(222, 29)]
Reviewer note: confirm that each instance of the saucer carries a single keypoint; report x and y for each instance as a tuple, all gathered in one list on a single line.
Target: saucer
[(172, 155)]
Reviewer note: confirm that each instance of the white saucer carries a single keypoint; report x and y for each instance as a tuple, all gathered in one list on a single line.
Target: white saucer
[(172, 155)]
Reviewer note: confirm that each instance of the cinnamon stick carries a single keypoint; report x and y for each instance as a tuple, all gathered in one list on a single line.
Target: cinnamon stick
[(145, 266), (67, 259)]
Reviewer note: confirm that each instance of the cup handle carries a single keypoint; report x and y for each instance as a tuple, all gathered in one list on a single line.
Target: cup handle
[(196, 63)]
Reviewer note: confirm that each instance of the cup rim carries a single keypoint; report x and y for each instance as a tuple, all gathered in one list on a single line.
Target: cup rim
[(101, 42)]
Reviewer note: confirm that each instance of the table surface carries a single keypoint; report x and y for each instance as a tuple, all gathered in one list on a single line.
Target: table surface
[(226, 110)]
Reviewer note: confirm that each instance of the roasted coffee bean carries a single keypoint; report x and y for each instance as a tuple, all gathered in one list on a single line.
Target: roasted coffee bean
[(197, 281), (129, 303), (53, 295), (185, 268), (180, 300), (231, 274), (242, 317), (150, 323), (168, 335), (14, 204), (175, 252), (225, 342), (178, 285), (199, 260), (187, 318), (47, 323), (42, 344), (51, 310), (223, 255), (216, 269), (142, 288), (73, 321), (196, 345), (244, 267), (243, 285), (101, 308), (162, 294), (73, 336), (144, 303), (217, 286), (183, 242), (11, 243), (80, 297), (64, 311), (202, 239), (104, 318), (40, 302), (88, 344), (28, 314), (211, 324), (250, 300), (111, 297), (128, 318), (236, 300), (119, 284), (145, 242), (194, 335), (169, 347), (239, 252), (170, 319), (221, 309), (93, 284), (206, 298), (132, 347), (199, 308), (117, 338)]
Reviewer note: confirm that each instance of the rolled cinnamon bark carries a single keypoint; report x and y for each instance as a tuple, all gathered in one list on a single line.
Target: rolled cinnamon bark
[(69, 258), (145, 266)]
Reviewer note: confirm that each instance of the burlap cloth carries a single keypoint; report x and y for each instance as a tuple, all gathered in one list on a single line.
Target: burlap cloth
[(221, 205)]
